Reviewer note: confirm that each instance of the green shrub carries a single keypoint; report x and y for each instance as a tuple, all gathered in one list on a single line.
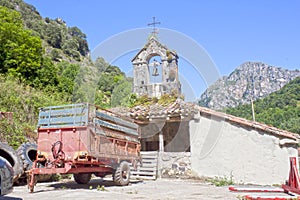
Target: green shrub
[(222, 181)]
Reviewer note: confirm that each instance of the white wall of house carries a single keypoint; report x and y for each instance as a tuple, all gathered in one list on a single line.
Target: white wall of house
[(220, 148)]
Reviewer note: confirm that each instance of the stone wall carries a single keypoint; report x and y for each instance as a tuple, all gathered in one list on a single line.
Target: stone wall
[(225, 149), (174, 165)]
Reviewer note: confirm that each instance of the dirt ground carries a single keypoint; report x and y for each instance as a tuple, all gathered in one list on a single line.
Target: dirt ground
[(98, 189)]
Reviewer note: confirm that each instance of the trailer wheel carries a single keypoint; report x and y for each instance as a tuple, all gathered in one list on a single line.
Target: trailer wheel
[(8, 153), (27, 152), (82, 178), (122, 174)]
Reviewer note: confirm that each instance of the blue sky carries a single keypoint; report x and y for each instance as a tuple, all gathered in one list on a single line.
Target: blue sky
[(231, 32)]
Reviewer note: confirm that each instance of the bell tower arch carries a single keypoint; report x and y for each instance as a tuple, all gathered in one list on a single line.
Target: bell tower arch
[(155, 70)]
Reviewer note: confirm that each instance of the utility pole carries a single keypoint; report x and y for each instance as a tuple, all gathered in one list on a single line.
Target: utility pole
[(252, 105), (252, 108)]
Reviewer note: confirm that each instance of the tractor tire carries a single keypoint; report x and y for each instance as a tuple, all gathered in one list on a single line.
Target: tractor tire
[(82, 178), (27, 152), (8, 153), (121, 176)]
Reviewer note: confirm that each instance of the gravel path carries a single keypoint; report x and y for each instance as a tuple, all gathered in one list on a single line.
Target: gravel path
[(98, 189)]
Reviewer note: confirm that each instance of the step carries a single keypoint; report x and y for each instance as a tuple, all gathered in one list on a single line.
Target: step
[(255, 189)]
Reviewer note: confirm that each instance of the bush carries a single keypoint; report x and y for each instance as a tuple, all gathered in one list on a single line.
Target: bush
[(24, 101), (222, 181)]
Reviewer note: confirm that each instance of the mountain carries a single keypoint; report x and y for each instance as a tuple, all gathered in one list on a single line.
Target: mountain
[(280, 109), (250, 80)]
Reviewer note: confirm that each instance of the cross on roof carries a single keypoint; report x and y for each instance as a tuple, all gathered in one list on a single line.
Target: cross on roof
[(154, 26)]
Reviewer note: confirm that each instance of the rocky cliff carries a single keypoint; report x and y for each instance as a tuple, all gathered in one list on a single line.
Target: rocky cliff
[(250, 80)]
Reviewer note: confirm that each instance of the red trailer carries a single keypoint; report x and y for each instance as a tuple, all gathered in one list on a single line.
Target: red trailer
[(82, 139)]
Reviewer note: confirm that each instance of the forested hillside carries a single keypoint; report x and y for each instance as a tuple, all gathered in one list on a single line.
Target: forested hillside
[(44, 62), (280, 109), (60, 41)]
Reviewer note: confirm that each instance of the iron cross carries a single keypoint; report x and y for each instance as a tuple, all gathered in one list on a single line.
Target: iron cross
[(154, 26)]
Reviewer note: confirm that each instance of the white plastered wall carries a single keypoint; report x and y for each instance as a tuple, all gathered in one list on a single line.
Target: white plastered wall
[(222, 149)]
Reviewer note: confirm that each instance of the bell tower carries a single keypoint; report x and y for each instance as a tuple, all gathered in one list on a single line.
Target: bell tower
[(155, 69)]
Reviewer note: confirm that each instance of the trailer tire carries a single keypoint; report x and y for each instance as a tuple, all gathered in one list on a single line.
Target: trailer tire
[(27, 152), (8, 153), (82, 178), (121, 176)]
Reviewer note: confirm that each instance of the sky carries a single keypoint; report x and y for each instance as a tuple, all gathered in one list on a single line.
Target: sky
[(228, 32)]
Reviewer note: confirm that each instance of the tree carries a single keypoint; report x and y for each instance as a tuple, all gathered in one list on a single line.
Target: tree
[(53, 34), (20, 52), (114, 89), (100, 65), (110, 78), (47, 74), (67, 74), (81, 40), (70, 48), (121, 94)]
